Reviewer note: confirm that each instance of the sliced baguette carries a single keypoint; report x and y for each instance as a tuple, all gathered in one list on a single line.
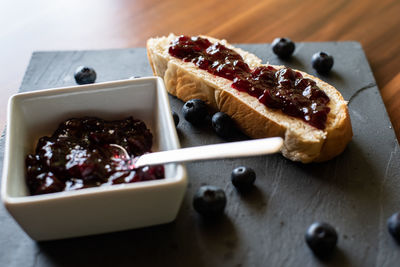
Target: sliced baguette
[(302, 142)]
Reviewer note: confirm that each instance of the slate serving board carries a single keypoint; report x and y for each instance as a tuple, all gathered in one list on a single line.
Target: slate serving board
[(355, 192)]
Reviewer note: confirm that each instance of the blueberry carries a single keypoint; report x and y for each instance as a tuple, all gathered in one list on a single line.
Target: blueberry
[(176, 118), (321, 238), (85, 75), (195, 111), (394, 226), (209, 201), (243, 178), (222, 124), (322, 62), (283, 47)]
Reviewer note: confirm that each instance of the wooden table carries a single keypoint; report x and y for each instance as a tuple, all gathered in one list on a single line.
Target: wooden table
[(28, 26)]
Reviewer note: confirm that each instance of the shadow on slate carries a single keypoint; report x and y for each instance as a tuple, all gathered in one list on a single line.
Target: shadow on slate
[(355, 192)]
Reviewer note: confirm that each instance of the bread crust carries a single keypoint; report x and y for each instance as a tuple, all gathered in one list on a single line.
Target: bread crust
[(337, 139), (302, 142)]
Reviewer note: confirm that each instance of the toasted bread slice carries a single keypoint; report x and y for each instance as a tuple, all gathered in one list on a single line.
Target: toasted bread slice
[(302, 142)]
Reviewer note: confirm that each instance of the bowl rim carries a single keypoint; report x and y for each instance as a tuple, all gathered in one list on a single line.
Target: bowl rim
[(83, 87), (180, 177)]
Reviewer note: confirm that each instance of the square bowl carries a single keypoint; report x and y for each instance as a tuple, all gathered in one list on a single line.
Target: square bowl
[(92, 210)]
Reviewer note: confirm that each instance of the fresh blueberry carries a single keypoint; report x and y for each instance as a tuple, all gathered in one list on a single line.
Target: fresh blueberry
[(85, 75), (394, 226), (209, 201), (322, 62), (243, 178), (195, 111), (321, 238), (283, 47), (222, 124), (176, 118)]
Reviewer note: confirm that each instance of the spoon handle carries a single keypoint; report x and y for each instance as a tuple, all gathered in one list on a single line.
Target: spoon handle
[(219, 151)]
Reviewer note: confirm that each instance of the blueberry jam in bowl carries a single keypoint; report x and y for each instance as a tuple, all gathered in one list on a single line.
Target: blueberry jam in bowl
[(118, 204), (80, 154)]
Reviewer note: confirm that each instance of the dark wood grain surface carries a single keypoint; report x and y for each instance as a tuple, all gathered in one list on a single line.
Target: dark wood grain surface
[(27, 26)]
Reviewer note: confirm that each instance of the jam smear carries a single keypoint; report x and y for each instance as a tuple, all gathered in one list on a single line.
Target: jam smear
[(283, 89), (78, 155)]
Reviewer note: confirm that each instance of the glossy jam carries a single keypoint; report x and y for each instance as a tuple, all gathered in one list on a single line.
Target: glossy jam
[(282, 89), (78, 155)]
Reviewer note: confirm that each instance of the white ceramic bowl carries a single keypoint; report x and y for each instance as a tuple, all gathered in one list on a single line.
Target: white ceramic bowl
[(93, 210)]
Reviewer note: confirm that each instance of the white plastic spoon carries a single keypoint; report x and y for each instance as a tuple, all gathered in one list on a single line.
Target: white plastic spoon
[(219, 151)]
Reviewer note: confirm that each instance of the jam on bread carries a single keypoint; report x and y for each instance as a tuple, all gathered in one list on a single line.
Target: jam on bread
[(283, 89)]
